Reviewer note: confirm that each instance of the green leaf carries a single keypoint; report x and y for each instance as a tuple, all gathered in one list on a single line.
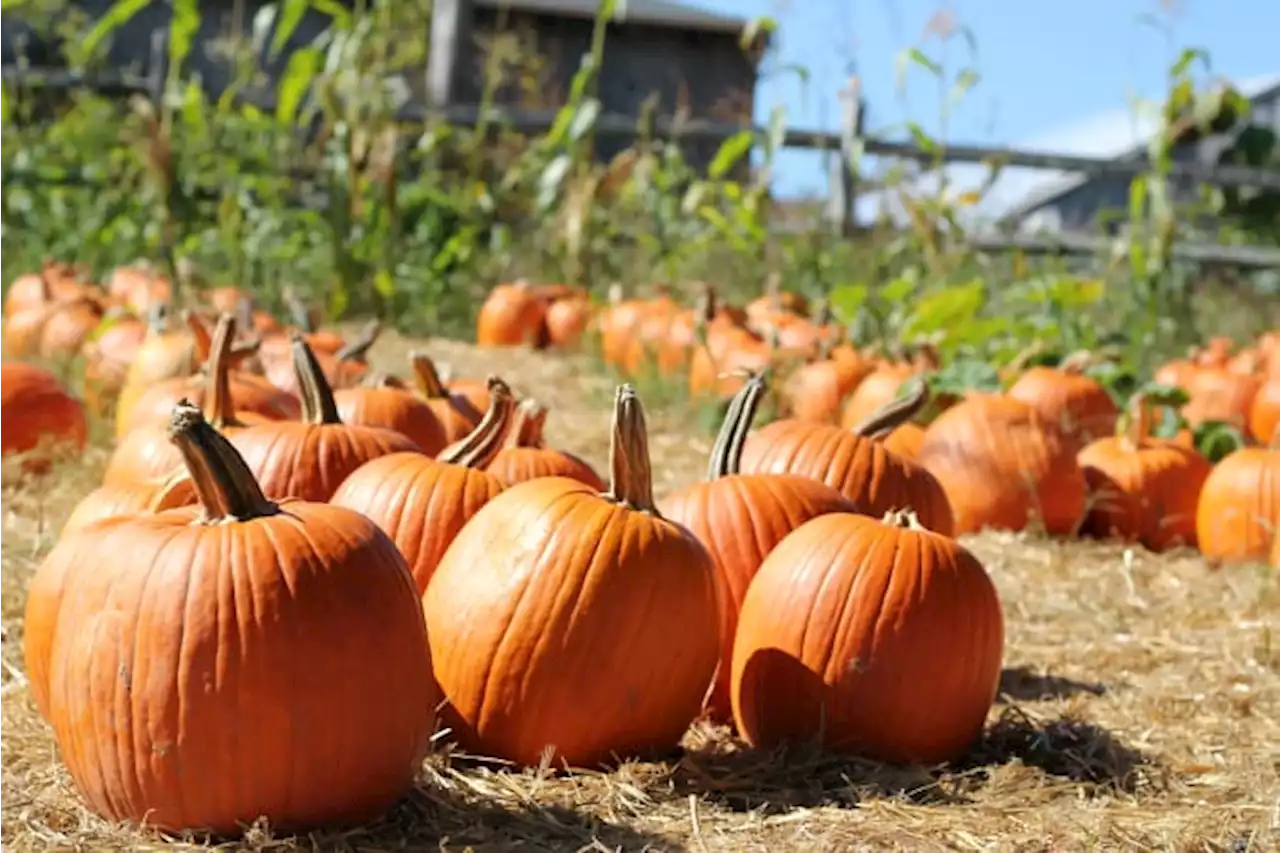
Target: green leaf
[(385, 284), (961, 375), (120, 13), (847, 301), (947, 308), (1217, 440), (917, 57), (584, 118), (1163, 395), (966, 80), (299, 73), (183, 26), (922, 139), (897, 291), (291, 14), (731, 151)]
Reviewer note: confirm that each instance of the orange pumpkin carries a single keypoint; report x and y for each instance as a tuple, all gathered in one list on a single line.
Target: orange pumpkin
[(108, 354), (905, 439), (1264, 413), (345, 367), (131, 497), (455, 412), (56, 281), (512, 315), (422, 503), (1070, 399), (203, 619), (52, 326), (872, 478), (1238, 516), (880, 387), (567, 320), (1002, 466), (309, 459), (40, 414), (569, 626), (1220, 394), (1143, 489), (139, 288), (816, 391), (879, 637), (167, 352), (378, 403), (525, 455), (741, 518)]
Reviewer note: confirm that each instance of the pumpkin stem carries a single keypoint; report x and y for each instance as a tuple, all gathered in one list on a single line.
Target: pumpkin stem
[(896, 412), (631, 474), (527, 424), (1136, 423), (480, 445), (318, 406), (726, 455), (219, 407), (382, 379), (199, 331), (357, 349), (1076, 363), (298, 311), (426, 377), (904, 518), (706, 307), (223, 483)]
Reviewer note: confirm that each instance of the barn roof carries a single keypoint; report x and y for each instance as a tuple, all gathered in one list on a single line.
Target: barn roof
[(663, 13)]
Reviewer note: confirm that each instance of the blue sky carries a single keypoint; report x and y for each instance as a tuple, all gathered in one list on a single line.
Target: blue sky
[(1045, 65)]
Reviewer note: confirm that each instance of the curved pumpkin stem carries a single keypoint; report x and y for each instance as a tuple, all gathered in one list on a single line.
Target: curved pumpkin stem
[(483, 443), (527, 424), (630, 471), (219, 407), (318, 406), (357, 349), (223, 483), (426, 376), (895, 413), (1077, 362), (176, 490), (726, 455), (298, 311), (199, 331), (1136, 424)]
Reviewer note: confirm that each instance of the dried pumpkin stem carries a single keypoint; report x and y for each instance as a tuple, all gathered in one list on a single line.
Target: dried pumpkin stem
[(357, 349), (426, 377), (223, 483), (527, 424), (219, 406), (726, 455), (480, 445), (318, 406), (1077, 362), (904, 518), (1137, 422), (199, 331), (631, 475), (895, 413)]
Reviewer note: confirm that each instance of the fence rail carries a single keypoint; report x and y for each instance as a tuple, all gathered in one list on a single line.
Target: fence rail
[(850, 144)]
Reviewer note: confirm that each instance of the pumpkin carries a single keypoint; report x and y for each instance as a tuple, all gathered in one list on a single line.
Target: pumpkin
[(167, 352), (344, 368), (570, 626), (740, 518), (1264, 413), (905, 440), (1238, 516), (567, 320), (874, 479), (454, 411), (762, 311), (1069, 398), (816, 391), (145, 453), (878, 388), (131, 497), (1002, 465), (108, 354), (1220, 394), (52, 326), (525, 455), (512, 315), (308, 459), (880, 637), (729, 353), (379, 403), (41, 414), (139, 288), (1142, 489), (179, 666), (422, 503), (56, 280)]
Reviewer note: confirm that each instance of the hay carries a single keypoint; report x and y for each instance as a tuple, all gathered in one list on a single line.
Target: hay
[(1140, 709)]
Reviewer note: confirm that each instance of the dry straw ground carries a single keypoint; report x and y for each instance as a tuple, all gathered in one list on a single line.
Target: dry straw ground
[(1140, 710)]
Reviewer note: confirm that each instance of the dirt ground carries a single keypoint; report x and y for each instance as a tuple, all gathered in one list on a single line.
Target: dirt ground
[(1139, 710)]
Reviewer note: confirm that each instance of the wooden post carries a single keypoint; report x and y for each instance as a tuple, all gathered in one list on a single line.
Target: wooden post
[(843, 193), (450, 28)]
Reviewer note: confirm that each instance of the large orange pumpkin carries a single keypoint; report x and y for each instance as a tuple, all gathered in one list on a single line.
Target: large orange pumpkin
[(1068, 398), (193, 673), (1238, 516), (874, 479), (740, 518), (422, 503), (880, 638), (571, 626), (1143, 489), (309, 459), (1002, 466), (38, 411)]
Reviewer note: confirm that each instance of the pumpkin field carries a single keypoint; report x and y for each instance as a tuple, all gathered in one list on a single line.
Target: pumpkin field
[(372, 485)]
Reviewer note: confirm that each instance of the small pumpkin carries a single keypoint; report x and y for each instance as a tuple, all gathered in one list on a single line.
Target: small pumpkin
[(1143, 489), (525, 456), (1069, 398), (741, 518), (874, 479), (422, 503), (1002, 466), (1264, 413), (1238, 515), (816, 391), (512, 315), (201, 632), (454, 411), (570, 626), (567, 320), (131, 497), (308, 459), (41, 415), (879, 637), (378, 402)]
